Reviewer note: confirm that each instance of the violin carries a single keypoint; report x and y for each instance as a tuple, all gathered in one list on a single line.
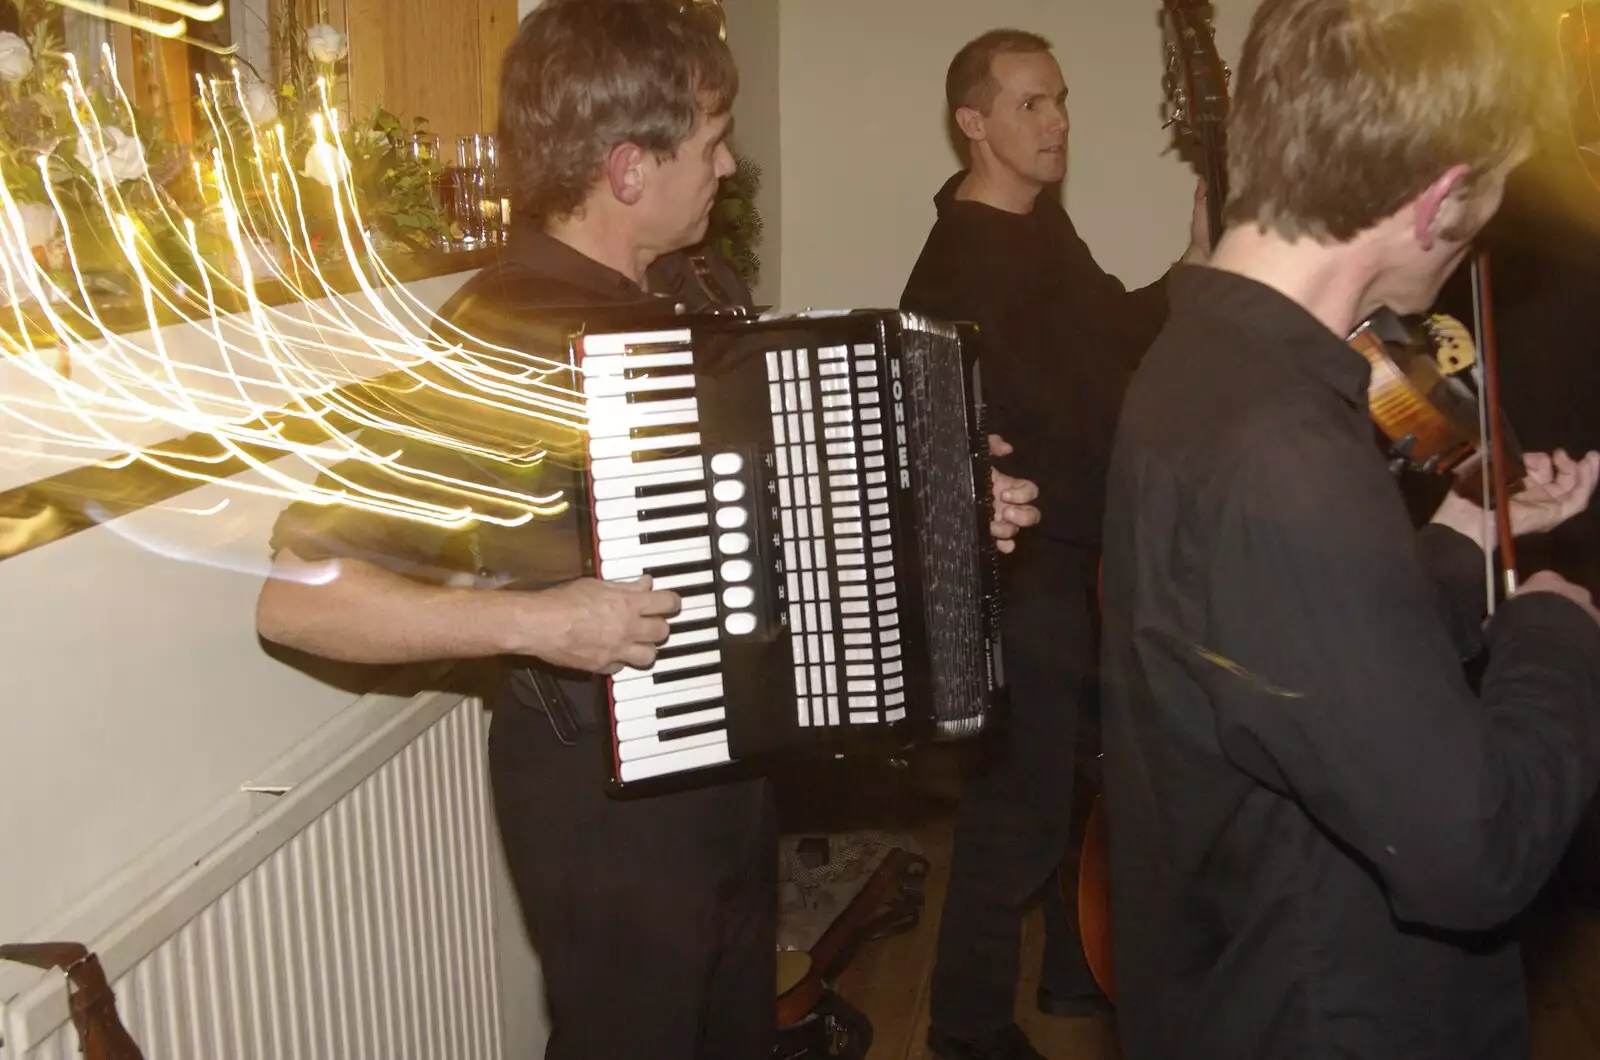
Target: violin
[(1430, 420)]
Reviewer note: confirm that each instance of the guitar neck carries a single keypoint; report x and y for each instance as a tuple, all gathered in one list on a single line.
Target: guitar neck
[(1197, 84), (1215, 166)]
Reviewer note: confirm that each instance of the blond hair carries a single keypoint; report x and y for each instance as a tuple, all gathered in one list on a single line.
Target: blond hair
[(1345, 110)]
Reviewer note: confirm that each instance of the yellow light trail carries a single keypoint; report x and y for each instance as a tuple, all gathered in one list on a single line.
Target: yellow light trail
[(208, 13), (265, 374), (172, 29)]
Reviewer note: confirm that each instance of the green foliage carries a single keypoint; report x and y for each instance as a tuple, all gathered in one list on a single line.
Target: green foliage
[(736, 222), (394, 191)]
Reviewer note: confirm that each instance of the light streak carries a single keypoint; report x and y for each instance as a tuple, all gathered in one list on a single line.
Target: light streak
[(149, 25), (207, 46), (265, 382), (208, 13)]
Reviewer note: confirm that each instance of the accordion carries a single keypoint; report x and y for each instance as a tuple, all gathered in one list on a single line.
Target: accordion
[(816, 489)]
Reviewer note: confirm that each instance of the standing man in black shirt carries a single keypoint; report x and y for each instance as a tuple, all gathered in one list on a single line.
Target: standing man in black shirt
[(1060, 337), (654, 918), (1319, 831)]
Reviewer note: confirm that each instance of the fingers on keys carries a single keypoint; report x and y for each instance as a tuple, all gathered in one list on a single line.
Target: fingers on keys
[(639, 656), (650, 630), (661, 602)]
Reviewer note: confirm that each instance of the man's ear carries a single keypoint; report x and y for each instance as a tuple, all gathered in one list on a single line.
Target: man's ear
[(1437, 206), (970, 122), (625, 172)]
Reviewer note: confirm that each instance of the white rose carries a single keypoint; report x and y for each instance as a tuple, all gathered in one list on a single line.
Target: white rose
[(325, 164), (325, 44), (124, 157), (260, 103), (39, 223), (16, 61)]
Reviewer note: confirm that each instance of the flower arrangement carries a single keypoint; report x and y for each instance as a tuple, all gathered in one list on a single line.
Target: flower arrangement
[(393, 187), (83, 154), (93, 156)]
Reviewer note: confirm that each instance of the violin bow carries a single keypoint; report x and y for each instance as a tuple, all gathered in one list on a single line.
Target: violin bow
[(1491, 425)]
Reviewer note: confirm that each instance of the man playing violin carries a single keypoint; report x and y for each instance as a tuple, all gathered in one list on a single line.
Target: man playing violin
[(1320, 830)]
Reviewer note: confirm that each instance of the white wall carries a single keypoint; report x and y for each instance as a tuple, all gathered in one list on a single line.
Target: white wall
[(136, 695), (864, 148), (753, 34), (137, 692)]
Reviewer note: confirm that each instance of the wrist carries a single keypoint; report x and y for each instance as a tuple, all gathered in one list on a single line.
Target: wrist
[(1465, 518), (514, 621)]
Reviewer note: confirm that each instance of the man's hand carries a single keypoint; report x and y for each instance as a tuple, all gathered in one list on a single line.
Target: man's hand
[(1013, 500), (1550, 582), (1199, 229), (1555, 488), (593, 625)]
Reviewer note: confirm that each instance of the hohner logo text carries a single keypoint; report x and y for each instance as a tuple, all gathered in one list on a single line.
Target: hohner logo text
[(900, 424)]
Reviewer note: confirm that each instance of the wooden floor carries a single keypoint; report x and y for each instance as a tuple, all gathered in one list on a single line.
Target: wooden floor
[(888, 979)]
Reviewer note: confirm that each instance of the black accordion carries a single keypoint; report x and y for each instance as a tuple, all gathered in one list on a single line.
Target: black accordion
[(816, 489)]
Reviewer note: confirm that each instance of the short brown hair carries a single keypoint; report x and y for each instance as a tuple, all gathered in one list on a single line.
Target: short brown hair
[(1345, 110), (970, 80), (583, 76)]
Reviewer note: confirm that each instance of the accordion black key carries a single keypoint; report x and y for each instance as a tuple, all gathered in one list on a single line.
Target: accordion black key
[(816, 489)]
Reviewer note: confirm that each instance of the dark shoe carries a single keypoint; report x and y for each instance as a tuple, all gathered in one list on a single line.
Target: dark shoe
[(1073, 1006), (1009, 1044)]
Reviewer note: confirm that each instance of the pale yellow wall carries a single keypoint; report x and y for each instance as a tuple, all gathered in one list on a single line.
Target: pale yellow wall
[(864, 148), (753, 34)]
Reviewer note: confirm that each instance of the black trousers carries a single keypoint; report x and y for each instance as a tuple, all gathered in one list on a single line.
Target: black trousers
[(1014, 827), (655, 919)]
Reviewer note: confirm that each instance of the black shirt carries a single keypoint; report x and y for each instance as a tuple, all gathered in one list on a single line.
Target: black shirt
[(1059, 338), (1318, 831), (539, 280)]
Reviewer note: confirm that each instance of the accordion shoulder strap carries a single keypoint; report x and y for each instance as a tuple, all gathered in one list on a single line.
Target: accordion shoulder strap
[(712, 287)]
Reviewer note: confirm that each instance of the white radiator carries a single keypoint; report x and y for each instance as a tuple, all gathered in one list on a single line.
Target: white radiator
[(339, 907)]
